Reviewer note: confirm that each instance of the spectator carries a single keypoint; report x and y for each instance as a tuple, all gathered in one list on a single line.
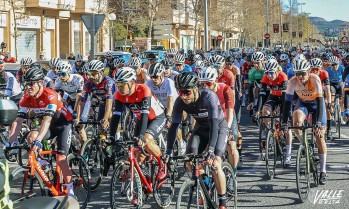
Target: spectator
[(8, 58)]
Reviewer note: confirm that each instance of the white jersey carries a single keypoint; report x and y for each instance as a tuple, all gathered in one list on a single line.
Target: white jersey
[(11, 86), (48, 83), (167, 89), (173, 74), (74, 85), (52, 75)]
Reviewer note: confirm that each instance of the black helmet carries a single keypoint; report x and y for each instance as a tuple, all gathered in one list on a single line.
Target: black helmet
[(325, 56), (186, 80), (347, 58), (167, 63), (151, 56), (248, 58), (229, 59), (34, 73)]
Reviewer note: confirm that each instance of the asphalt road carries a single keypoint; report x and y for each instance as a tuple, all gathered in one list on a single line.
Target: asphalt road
[(254, 188)]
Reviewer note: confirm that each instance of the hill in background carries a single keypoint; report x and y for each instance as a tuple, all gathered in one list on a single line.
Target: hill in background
[(326, 26)]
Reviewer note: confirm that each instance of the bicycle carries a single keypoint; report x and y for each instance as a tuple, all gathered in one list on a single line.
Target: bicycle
[(132, 184), (337, 116), (30, 180), (195, 193), (275, 148), (307, 163)]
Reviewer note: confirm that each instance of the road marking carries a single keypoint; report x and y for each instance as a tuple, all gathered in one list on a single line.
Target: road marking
[(344, 136), (337, 149)]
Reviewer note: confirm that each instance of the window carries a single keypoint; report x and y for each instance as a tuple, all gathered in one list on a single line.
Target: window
[(77, 37)]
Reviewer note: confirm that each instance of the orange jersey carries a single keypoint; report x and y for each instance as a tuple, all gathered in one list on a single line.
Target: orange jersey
[(275, 85), (306, 92), (227, 78)]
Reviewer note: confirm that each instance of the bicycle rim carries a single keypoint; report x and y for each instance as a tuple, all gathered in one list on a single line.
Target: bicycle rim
[(232, 184), (338, 122), (120, 187), (191, 197), (80, 178), (164, 191), (302, 175), (270, 155)]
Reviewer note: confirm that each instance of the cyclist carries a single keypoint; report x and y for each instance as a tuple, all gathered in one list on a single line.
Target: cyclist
[(9, 87), (346, 100), (79, 63), (207, 79), (149, 111), (310, 100), (8, 58), (55, 120), (286, 65), (335, 73), (210, 130), (169, 73), (102, 88), (171, 53), (109, 61), (325, 57), (246, 67), (54, 62), (152, 58), (179, 60), (25, 63), (48, 83), (198, 66)]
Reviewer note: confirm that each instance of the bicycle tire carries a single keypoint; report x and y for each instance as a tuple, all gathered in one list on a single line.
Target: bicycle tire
[(17, 181), (261, 149), (339, 121), (119, 187), (232, 190), (302, 170), (22, 155), (190, 186), (89, 148), (164, 191), (80, 178), (270, 154)]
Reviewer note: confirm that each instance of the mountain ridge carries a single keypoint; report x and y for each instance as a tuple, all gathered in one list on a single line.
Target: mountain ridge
[(326, 26)]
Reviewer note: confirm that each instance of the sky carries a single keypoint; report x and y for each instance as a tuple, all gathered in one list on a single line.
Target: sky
[(327, 9)]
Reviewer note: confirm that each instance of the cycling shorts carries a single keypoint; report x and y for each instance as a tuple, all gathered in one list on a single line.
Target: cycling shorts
[(311, 107), (154, 126), (273, 102), (199, 140), (337, 88)]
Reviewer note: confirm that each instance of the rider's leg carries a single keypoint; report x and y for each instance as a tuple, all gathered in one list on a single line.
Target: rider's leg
[(219, 180), (298, 118), (233, 155)]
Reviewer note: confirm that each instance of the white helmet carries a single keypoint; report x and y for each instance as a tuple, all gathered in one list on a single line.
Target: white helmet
[(208, 74), (333, 60), (300, 57), (197, 57), (124, 75), (300, 65), (179, 58), (284, 57), (257, 57), (316, 63), (95, 65), (199, 64), (26, 61), (271, 65), (64, 67), (135, 62), (54, 62), (156, 69), (217, 60), (172, 51)]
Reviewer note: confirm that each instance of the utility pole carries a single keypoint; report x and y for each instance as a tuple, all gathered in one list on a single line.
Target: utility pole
[(291, 31), (281, 28), (267, 20), (206, 26)]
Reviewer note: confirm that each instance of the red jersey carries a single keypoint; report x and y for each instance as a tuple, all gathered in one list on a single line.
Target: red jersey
[(10, 60), (324, 77), (49, 103), (227, 78), (276, 85), (226, 97), (246, 68), (141, 101)]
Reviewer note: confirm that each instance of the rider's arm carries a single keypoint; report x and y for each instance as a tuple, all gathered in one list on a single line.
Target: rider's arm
[(110, 88), (176, 120), (283, 90), (288, 100), (108, 108), (262, 96), (116, 117), (213, 119), (229, 98), (169, 106), (82, 100), (145, 108), (327, 88), (15, 129), (321, 106)]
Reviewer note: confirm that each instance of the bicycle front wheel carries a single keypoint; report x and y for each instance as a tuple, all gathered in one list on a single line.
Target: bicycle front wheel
[(164, 190), (302, 174), (270, 154), (232, 184), (190, 196), (338, 121)]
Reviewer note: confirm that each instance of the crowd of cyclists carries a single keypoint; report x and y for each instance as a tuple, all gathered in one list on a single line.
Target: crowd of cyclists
[(196, 96)]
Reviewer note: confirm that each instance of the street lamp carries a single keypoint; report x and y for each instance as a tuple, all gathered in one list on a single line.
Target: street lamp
[(112, 18)]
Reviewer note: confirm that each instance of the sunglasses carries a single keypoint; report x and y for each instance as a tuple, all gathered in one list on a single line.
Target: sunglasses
[(178, 64), (209, 84), (120, 85), (29, 83), (185, 92), (301, 73), (269, 73), (154, 77), (62, 74), (78, 61), (334, 64)]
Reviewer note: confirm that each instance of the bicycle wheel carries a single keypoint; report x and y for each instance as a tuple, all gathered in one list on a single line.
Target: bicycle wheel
[(270, 154), (80, 178), (22, 154), (232, 184), (261, 144), (338, 120), (164, 190), (191, 197), (20, 184), (121, 193), (302, 174), (93, 156)]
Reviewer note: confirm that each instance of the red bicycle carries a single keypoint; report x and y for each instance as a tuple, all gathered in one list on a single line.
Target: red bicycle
[(28, 180), (132, 184)]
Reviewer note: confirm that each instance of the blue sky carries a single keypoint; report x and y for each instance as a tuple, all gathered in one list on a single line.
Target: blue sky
[(327, 9)]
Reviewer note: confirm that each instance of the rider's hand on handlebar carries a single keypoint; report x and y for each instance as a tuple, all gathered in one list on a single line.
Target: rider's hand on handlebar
[(249, 106), (210, 156), (105, 123), (318, 130), (37, 145)]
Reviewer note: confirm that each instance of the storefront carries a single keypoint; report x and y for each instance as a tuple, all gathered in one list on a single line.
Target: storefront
[(3, 27), (48, 37), (187, 41)]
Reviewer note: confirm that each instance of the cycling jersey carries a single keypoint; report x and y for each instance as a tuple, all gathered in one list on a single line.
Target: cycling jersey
[(226, 97), (103, 91), (277, 86), (78, 68), (74, 85), (246, 67), (346, 83), (173, 74), (336, 76), (255, 75), (12, 87), (49, 103), (52, 75), (323, 75), (288, 70), (306, 92), (167, 89), (186, 68), (227, 78), (10, 60)]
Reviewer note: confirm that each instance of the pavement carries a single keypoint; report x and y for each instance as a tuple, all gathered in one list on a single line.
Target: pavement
[(255, 190)]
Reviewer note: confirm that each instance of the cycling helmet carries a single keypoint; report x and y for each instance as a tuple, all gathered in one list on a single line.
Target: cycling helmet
[(271, 65), (300, 65), (172, 51), (294, 53), (78, 57), (124, 75), (34, 73), (64, 67), (272, 58), (167, 63), (181, 51), (325, 56), (248, 58), (109, 54), (156, 69), (118, 61), (186, 80), (316, 63), (151, 56), (227, 53), (198, 51), (190, 52), (199, 64), (346, 58), (300, 57), (284, 57), (208, 74), (179, 58), (197, 57), (26, 61), (257, 57), (229, 59), (134, 51), (333, 60), (95, 65), (135, 62), (54, 62), (342, 53), (217, 60)]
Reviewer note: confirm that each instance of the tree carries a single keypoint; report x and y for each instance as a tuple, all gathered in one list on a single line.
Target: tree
[(197, 11), (18, 9)]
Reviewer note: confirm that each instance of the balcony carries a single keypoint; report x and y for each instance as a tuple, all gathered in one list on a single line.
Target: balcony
[(66, 5), (88, 6), (49, 4)]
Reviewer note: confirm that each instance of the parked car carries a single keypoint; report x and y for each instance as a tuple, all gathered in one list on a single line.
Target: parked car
[(158, 48), (124, 55), (160, 54)]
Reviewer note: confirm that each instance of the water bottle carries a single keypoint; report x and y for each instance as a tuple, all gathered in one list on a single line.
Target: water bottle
[(46, 167), (207, 181), (65, 95)]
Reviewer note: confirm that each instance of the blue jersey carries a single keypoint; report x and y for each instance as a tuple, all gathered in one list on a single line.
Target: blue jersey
[(186, 68), (288, 70), (335, 76), (346, 83)]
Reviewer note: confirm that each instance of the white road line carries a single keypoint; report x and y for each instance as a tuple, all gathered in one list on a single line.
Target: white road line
[(337, 149)]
